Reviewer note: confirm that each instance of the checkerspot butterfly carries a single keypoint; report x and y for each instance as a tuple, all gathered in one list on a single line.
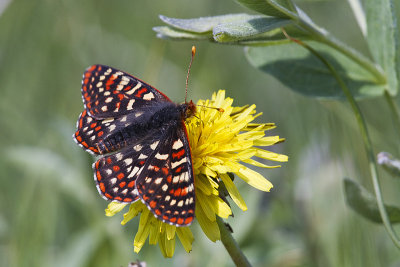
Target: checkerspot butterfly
[(142, 139)]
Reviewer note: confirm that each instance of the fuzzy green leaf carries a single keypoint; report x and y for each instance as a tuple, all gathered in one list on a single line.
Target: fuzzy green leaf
[(204, 24), (166, 32), (275, 8), (246, 29), (364, 203), (302, 72), (382, 38)]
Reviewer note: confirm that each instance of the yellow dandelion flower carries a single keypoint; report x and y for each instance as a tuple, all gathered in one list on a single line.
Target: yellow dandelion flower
[(220, 142)]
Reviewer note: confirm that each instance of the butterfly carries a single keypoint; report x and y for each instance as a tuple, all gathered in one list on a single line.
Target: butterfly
[(141, 137)]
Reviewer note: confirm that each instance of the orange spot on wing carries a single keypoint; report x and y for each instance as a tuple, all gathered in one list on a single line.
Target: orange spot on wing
[(120, 176), (122, 184), (173, 219), (140, 92), (84, 144), (108, 196), (152, 204), (93, 125), (178, 154), (177, 192), (180, 221), (184, 191), (165, 217), (120, 96), (178, 170), (188, 220), (108, 160), (165, 170), (128, 88), (102, 187), (127, 199), (158, 212), (100, 133), (169, 179), (145, 198), (98, 175), (156, 168), (97, 128), (118, 198), (141, 162), (78, 137), (131, 184), (115, 168)]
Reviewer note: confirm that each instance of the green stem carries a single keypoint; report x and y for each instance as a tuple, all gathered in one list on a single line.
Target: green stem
[(367, 143), (231, 246), (394, 109), (323, 36)]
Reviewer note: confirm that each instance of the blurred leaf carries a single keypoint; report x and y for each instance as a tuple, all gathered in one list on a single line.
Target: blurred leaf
[(302, 72), (166, 32), (382, 38), (204, 24), (364, 203), (242, 29), (275, 8), (389, 163), (248, 28)]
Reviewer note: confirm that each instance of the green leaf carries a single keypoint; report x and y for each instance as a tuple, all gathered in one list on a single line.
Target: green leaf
[(248, 29), (364, 203), (166, 32), (275, 8), (302, 72), (204, 24), (382, 38)]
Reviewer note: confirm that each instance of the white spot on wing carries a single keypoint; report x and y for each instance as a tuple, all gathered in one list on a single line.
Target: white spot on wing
[(154, 145), (128, 161), (180, 203), (148, 96), (158, 180), (177, 163), (138, 85), (161, 157), (113, 180), (108, 99), (112, 127), (99, 84), (130, 103), (164, 187), (142, 156), (137, 148), (177, 144)]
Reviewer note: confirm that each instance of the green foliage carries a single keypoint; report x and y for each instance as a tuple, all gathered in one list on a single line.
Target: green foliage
[(364, 203), (365, 77)]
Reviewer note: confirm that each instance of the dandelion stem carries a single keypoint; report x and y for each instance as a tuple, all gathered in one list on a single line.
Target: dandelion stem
[(367, 142), (230, 245)]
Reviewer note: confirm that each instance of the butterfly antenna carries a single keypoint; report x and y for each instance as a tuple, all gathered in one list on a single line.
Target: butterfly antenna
[(190, 65)]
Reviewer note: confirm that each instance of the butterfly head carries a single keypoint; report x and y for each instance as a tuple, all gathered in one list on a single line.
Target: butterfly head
[(188, 109)]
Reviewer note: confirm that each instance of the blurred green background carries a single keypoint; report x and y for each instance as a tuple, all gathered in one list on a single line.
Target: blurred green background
[(50, 211)]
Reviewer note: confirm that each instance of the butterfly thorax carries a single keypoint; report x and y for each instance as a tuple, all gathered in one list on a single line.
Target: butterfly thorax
[(160, 119)]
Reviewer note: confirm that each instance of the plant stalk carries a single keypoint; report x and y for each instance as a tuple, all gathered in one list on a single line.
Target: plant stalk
[(231, 246), (367, 143)]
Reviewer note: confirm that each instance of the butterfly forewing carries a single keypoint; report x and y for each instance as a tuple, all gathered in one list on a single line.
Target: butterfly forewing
[(110, 93), (166, 183)]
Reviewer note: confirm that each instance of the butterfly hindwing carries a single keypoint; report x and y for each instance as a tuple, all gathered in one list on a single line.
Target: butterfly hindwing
[(116, 174), (166, 184), (110, 93)]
